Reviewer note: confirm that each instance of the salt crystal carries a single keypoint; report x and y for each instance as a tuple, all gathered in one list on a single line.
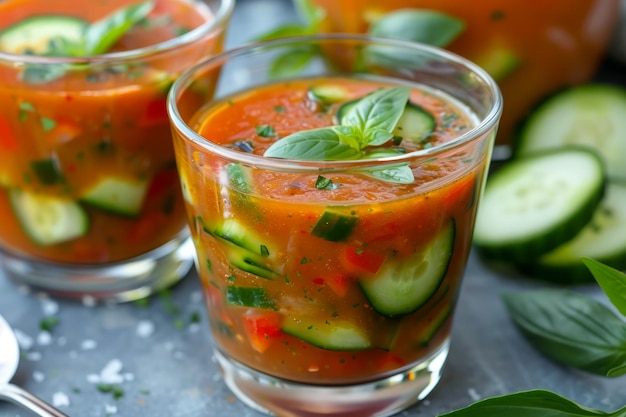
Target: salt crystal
[(39, 376), (93, 378), (145, 328), (44, 338), (88, 344), (194, 328), (24, 340), (59, 399), (473, 394), (110, 409), (49, 307), (110, 374), (33, 356)]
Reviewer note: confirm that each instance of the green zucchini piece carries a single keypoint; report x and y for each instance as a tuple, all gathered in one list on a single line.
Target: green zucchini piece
[(48, 220), (117, 195), (402, 286), (603, 239), (329, 334), (248, 297), (590, 115), (334, 227), (533, 204), (39, 35)]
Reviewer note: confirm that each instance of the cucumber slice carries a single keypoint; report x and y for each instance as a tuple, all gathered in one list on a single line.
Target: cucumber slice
[(48, 220), (591, 115), (328, 94), (603, 239), (415, 124), (401, 287), (39, 34), (248, 297), (532, 205), (334, 227), (329, 334), (117, 195)]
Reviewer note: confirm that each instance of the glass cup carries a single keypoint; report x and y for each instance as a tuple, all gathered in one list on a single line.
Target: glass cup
[(329, 290), (90, 199), (564, 46)]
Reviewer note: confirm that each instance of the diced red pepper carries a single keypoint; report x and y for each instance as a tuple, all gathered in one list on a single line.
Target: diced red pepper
[(361, 260), (156, 112), (64, 131), (339, 283), (262, 328), (8, 140), (388, 362)]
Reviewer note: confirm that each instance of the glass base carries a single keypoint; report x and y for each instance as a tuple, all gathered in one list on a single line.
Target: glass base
[(118, 282), (383, 397)]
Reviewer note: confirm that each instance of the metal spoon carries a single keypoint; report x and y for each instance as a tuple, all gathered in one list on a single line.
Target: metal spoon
[(9, 359)]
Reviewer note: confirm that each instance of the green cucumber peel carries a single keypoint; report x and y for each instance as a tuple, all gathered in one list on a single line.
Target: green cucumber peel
[(369, 123)]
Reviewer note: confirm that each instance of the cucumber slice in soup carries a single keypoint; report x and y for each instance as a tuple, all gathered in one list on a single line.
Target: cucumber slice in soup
[(402, 286), (326, 334), (39, 34), (117, 195), (591, 115), (328, 94), (48, 220), (533, 204), (603, 239)]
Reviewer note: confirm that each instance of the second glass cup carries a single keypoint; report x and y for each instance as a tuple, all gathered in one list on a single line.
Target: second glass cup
[(90, 201), (332, 208)]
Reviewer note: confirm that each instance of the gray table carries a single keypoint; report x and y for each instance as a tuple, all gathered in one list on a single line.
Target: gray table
[(160, 351)]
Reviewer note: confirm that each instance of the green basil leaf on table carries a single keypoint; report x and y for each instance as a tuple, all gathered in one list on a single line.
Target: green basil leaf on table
[(571, 329), (612, 282), (533, 403)]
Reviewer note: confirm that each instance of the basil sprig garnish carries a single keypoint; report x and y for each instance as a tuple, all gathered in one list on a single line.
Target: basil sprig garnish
[(365, 126), (574, 329), (535, 403)]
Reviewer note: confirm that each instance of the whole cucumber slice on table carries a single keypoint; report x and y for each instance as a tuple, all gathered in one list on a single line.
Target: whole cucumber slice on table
[(38, 34), (603, 239), (401, 287), (48, 220), (533, 204), (592, 115)]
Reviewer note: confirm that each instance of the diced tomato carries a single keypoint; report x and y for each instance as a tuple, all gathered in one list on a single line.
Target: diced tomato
[(8, 140), (262, 328), (156, 112), (339, 283), (361, 260)]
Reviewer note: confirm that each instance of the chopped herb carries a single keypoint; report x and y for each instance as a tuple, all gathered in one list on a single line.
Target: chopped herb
[(195, 317), (48, 124), (265, 252), (324, 183), (26, 106), (303, 261), (497, 15), (48, 323), (265, 131), (116, 390), (180, 30), (209, 266), (279, 109), (47, 171)]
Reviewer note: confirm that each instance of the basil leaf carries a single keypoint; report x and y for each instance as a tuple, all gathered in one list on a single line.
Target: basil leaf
[(103, 34), (323, 144), (536, 403), (572, 329), (284, 32), (377, 113), (427, 26), (612, 282), (401, 174)]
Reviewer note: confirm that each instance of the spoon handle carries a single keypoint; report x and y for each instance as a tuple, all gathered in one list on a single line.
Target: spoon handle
[(28, 401)]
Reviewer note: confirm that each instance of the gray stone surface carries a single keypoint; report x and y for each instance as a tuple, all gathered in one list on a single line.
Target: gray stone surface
[(164, 362)]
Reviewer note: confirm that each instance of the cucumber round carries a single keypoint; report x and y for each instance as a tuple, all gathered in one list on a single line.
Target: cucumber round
[(592, 115), (48, 220), (401, 287), (603, 239), (38, 34), (533, 204)]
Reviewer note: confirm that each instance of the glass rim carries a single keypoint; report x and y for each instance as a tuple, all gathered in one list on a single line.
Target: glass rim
[(486, 123), (223, 12)]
